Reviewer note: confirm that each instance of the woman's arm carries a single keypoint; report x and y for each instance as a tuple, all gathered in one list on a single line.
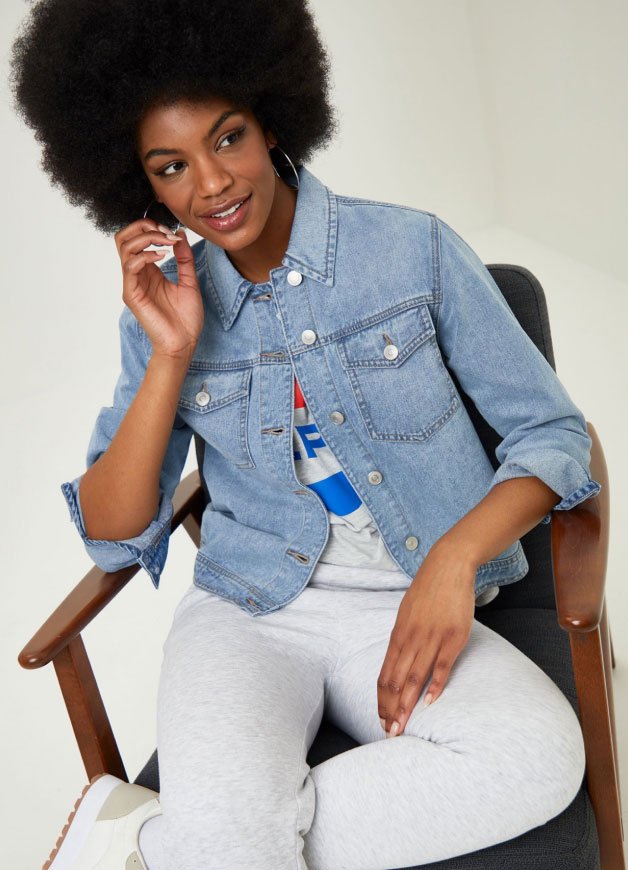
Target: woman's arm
[(506, 513), (119, 494), (436, 614), (122, 504)]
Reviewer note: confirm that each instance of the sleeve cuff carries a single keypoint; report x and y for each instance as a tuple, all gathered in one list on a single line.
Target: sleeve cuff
[(150, 548), (567, 478)]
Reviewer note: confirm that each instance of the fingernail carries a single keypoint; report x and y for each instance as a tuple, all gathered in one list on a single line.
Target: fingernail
[(394, 729), (383, 723), (428, 699), (164, 229)]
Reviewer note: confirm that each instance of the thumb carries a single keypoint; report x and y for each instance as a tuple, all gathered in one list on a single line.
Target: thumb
[(185, 259)]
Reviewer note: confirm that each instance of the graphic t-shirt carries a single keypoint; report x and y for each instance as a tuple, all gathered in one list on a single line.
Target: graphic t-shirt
[(354, 539), (353, 536)]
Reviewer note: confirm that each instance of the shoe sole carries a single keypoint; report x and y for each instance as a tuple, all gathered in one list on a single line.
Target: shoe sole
[(55, 852)]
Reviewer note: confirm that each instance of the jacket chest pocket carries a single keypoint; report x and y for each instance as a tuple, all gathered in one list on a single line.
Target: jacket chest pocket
[(215, 404), (399, 379)]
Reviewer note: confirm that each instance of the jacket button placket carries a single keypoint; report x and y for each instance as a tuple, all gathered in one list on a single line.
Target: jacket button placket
[(275, 373)]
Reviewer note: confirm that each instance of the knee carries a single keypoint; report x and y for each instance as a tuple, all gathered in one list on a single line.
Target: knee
[(553, 760)]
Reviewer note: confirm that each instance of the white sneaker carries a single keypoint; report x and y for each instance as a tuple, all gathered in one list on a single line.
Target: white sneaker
[(103, 829)]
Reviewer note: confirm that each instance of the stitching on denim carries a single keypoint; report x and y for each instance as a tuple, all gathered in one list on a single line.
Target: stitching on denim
[(410, 346), (437, 269), (202, 365), (354, 200), (422, 434), (185, 401), (230, 575), (358, 325)]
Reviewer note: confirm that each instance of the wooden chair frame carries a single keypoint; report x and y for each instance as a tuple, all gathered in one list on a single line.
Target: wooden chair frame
[(579, 557)]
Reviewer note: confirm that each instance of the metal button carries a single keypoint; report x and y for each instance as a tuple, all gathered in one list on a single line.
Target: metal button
[(337, 417), (202, 398), (375, 477), (391, 351), (411, 542), (308, 336), (294, 278)]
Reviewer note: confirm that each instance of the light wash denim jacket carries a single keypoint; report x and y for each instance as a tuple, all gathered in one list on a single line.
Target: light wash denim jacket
[(369, 300)]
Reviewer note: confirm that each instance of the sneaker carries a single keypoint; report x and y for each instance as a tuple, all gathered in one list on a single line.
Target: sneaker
[(103, 829)]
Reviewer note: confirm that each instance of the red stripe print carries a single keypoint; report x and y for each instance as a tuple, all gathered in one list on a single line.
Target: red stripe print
[(299, 401)]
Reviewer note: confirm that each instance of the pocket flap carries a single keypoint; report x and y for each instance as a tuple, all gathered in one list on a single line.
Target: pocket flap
[(403, 332), (205, 391)]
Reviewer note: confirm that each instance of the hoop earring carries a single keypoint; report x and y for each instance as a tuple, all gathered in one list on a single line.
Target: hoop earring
[(146, 212), (290, 163)]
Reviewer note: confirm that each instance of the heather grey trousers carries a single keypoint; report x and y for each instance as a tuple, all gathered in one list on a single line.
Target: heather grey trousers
[(240, 702)]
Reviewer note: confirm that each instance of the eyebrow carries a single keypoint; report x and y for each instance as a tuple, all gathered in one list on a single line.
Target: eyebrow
[(159, 152)]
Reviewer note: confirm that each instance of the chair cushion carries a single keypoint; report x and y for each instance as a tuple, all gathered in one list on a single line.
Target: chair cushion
[(568, 841)]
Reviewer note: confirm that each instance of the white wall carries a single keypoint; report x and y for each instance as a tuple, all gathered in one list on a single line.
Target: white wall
[(553, 79), (438, 111), (413, 123)]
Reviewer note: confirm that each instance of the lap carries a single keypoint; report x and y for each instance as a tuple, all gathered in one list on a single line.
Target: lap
[(503, 697)]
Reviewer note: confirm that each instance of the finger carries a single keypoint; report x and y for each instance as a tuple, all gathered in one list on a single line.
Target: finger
[(134, 264), (416, 679), (137, 243), (384, 679), (435, 685), (144, 225), (440, 676), (185, 261), (413, 669)]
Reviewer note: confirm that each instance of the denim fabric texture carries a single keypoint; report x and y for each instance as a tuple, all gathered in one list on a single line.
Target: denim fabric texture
[(369, 303)]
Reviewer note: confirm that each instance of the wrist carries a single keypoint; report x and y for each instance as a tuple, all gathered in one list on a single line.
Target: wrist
[(451, 546), (178, 360)]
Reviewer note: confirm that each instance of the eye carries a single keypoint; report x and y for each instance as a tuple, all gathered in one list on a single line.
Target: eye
[(233, 136), (171, 166)]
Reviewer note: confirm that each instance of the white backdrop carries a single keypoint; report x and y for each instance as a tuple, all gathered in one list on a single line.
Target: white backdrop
[(508, 120)]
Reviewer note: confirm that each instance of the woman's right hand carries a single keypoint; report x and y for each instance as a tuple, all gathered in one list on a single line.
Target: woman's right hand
[(172, 315)]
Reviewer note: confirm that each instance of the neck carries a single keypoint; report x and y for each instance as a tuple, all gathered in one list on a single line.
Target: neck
[(268, 251)]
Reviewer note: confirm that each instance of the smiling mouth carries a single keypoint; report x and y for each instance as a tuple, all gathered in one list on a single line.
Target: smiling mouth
[(232, 210), (227, 212)]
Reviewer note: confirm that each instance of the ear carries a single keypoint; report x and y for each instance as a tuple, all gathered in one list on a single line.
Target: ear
[(271, 140)]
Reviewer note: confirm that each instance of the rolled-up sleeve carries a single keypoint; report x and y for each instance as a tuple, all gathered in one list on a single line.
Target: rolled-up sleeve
[(150, 547), (511, 383)]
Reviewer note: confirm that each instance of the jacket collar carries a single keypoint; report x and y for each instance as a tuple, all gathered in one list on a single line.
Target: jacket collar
[(311, 249)]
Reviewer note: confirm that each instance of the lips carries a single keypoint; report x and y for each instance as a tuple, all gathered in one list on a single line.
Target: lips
[(225, 206), (231, 221)]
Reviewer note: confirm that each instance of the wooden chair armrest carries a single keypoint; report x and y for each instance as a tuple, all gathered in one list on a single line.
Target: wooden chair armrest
[(580, 552), (98, 587)]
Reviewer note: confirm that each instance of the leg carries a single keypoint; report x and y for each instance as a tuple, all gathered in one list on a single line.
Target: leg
[(499, 753), (240, 701)]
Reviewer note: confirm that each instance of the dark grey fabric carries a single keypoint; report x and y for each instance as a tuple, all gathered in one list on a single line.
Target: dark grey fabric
[(525, 614)]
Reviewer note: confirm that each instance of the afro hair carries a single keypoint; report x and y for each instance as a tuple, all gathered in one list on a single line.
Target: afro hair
[(84, 72)]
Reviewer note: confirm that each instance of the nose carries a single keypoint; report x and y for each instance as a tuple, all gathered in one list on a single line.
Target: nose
[(211, 178)]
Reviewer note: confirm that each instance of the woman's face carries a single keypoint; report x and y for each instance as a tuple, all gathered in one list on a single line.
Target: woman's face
[(202, 159)]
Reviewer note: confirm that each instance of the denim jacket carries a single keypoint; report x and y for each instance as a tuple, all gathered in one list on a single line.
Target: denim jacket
[(369, 302)]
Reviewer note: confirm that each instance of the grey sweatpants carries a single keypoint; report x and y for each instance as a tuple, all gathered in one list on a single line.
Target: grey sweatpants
[(240, 702)]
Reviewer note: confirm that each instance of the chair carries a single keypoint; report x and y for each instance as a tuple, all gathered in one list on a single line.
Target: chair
[(564, 589)]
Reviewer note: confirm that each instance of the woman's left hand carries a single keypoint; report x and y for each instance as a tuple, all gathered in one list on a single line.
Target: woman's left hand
[(432, 628)]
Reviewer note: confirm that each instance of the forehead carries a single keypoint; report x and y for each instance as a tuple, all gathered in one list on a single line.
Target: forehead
[(183, 120)]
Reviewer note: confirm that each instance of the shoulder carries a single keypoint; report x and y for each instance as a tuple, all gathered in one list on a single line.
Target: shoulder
[(383, 209), (390, 220)]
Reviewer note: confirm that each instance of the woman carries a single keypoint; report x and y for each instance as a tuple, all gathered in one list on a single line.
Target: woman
[(354, 521)]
